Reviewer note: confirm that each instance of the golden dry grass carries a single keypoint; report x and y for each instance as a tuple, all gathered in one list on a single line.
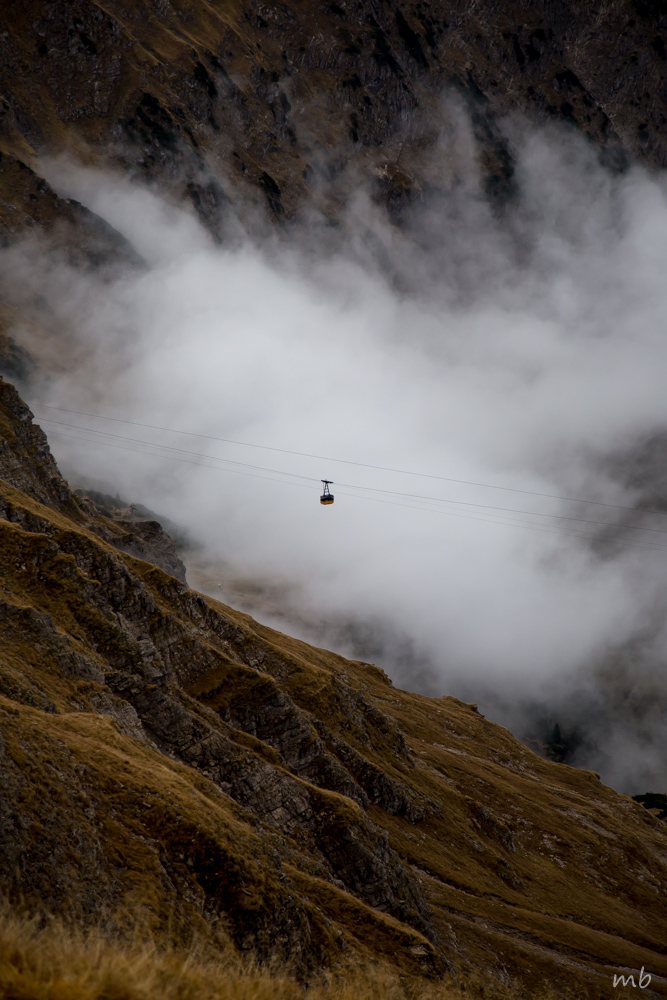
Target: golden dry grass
[(525, 904), (528, 867), (45, 960)]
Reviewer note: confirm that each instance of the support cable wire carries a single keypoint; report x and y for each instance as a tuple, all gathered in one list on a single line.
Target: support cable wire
[(363, 465), (179, 451), (510, 522), (185, 461), (511, 510), (361, 492), (359, 496), (506, 522)]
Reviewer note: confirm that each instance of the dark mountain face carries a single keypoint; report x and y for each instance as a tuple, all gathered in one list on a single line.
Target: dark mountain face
[(294, 103)]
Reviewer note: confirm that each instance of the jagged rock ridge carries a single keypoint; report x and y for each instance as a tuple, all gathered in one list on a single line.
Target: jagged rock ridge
[(291, 105)]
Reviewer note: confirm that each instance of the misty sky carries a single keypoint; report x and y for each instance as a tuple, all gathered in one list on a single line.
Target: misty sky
[(525, 351)]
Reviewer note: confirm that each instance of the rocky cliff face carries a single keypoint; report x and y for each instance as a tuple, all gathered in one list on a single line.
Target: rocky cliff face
[(295, 104), (167, 759)]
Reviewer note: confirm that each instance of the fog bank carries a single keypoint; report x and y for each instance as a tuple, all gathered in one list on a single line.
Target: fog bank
[(523, 351)]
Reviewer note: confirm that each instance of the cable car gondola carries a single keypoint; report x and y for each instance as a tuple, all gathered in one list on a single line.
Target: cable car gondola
[(327, 497)]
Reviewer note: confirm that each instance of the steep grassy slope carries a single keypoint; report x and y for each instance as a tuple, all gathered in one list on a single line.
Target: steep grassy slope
[(296, 102), (170, 763)]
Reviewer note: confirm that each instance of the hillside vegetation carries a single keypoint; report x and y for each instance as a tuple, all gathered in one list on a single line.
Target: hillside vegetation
[(170, 764), (52, 963)]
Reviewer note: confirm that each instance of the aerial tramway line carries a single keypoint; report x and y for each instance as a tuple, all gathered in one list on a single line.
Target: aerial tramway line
[(489, 512)]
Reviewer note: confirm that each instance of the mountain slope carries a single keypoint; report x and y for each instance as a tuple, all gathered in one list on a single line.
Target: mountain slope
[(294, 105), (168, 760)]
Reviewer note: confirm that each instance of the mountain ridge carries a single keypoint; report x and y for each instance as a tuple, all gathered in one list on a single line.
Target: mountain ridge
[(291, 106), (398, 825)]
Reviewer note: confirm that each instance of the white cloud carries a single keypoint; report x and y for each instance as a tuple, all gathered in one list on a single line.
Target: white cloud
[(527, 352)]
